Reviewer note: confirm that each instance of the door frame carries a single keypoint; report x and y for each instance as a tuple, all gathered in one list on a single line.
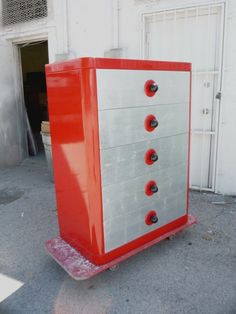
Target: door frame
[(17, 68), (144, 14)]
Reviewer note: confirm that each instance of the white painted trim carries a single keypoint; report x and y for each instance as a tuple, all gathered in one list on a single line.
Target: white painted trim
[(17, 71), (197, 188), (27, 37), (48, 34), (18, 84), (219, 137), (152, 10), (218, 102)]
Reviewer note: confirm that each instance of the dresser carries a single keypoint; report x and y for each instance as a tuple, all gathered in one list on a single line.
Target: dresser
[(120, 144)]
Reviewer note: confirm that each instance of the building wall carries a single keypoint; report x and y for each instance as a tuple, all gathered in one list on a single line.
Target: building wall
[(90, 28), (73, 29), (227, 148), (12, 130)]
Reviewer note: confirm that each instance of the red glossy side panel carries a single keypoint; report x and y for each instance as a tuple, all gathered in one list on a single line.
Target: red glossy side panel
[(75, 147)]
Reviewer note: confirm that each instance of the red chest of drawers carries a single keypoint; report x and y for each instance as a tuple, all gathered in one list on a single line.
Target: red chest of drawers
[(120, 142)]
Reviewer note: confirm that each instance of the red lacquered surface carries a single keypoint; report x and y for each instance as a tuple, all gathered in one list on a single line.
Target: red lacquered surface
[(75, 143), (76, 159), (125, 64)]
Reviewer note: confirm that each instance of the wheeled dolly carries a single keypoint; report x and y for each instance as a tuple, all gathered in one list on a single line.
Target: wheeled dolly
[(79, 268)]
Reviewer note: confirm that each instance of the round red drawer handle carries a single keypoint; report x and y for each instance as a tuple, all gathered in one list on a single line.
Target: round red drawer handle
[(150, 123), (150, 88), (151, 156), (151, 188), (151, 218)]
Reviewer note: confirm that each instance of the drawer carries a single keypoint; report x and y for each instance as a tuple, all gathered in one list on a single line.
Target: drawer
[(126, 126), (126, 205), (125, 88), (125, 162)]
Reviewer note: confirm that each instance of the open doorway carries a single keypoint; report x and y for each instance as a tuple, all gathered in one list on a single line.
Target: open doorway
[(33, 57)]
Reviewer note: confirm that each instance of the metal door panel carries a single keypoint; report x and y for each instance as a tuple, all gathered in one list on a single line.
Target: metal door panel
[(125, 126), (125, 88)]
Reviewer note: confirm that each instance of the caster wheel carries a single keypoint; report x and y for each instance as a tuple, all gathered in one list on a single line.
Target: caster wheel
[(114, 268), (171, 237)]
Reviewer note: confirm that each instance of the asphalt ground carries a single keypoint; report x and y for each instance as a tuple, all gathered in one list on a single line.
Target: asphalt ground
[(195, 272)]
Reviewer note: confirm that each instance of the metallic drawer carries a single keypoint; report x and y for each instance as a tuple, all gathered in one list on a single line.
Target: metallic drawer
[(125, 126), (125, 162), (122, 89), (125, 205)]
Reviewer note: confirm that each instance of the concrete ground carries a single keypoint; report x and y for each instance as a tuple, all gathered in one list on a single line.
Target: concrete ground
[(193, 273)]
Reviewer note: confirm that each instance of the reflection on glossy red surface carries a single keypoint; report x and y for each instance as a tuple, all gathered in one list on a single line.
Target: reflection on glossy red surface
[(76, 159)]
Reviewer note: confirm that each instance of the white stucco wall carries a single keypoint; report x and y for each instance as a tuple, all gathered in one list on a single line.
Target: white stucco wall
[(90, 27), (226, 174), (73, 29), (12, 130), (78, 28)]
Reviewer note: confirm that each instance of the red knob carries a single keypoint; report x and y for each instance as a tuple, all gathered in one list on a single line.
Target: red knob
[(151, 218), (151, 156), (150, 88), (151, 188), (150, 123)]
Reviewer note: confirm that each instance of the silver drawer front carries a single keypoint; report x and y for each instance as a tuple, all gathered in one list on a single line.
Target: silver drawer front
[(125, 126), (125, 162), (122, 109), (125, 205), (125, 88)]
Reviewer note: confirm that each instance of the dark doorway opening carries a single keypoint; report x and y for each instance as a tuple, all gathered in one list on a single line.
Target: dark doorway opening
[(34, 56)]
